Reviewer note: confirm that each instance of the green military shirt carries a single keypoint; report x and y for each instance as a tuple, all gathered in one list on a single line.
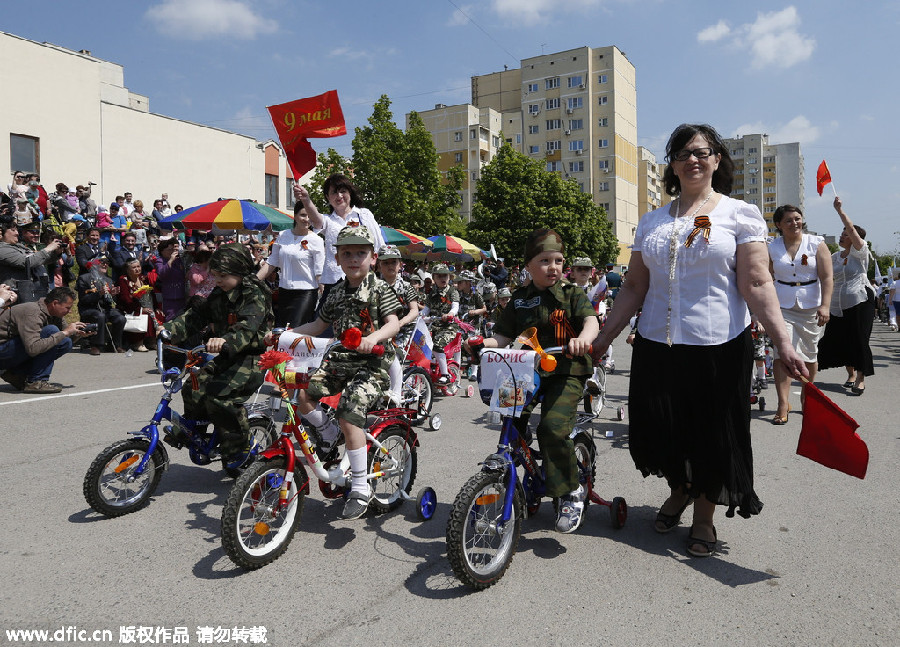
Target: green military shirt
[(241, 317), (406, 294), (530, 306), (470, 301), (366, 308)]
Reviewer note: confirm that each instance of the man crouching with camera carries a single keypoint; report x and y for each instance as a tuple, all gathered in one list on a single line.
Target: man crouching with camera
[(33, 336)]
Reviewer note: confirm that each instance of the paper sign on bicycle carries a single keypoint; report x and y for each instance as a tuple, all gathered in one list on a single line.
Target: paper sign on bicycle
[(507, 379), (306, 356)]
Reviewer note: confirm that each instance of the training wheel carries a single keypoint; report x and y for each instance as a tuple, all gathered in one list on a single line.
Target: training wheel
[(470, 391), (435, 422), (762, 404), (426, 503), (620, 413), (618, 512)]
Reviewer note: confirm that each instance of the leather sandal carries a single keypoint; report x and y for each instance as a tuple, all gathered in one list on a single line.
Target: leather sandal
[(781, 420), (709, 547), (856, 390), (849, 384), (669, 521)]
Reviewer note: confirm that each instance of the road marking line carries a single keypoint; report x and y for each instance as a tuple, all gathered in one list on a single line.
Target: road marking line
[(72, 395)]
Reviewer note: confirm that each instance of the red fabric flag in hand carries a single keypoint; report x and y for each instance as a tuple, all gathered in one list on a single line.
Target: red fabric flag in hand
[(299, 120), (829, 437), (823, 177)]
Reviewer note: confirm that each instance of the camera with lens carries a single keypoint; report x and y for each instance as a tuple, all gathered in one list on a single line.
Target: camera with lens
[(91, 327)]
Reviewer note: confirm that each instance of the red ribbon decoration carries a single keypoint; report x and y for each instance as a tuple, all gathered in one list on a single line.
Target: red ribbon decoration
[(701, 223), (561, 327), (804, 260)]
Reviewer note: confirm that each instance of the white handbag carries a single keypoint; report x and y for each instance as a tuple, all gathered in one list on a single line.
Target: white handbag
[(136, 323)]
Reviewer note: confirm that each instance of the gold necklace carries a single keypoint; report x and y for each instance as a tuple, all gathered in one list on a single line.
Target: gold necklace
[(675, 234)]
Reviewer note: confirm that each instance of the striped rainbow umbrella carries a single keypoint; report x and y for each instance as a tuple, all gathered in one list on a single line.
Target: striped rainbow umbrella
[(451, 248), (231, 214), (402, 238)]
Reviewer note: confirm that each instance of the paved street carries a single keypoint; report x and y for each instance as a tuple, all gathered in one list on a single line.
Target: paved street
[(819, 566)]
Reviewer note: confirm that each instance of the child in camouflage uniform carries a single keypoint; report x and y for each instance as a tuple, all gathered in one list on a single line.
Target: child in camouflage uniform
[(359, 300), (471, 304), (563, 317), (389, 267), (442, 303), (236, 315)]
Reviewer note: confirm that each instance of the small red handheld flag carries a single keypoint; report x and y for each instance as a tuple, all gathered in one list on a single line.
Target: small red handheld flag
[(829, 437), (823, 177), (298, 120)]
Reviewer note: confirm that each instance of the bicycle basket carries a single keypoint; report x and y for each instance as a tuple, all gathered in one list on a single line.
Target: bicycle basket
[(507, 379)]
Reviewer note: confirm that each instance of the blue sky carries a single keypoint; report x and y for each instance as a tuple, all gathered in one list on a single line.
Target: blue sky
[(822, 73)]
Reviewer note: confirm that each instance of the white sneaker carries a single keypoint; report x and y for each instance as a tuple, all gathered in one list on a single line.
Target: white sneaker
[(393, 398), (571, 511)]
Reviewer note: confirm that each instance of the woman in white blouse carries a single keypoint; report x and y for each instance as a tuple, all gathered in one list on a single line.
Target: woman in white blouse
[(695, 266), (846, 339), (801, 265)]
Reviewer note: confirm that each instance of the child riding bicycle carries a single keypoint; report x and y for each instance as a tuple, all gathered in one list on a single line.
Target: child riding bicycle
[(563, 317), (389, 264), (360, 300), (442, 303), (237, 313)]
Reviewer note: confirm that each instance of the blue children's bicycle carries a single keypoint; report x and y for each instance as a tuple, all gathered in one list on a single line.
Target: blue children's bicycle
[(485, 520), (124, 476)]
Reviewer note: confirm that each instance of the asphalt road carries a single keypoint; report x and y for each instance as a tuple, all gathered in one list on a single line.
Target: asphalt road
[(819, 566)]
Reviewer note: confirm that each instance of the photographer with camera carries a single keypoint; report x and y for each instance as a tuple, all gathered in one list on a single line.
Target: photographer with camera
[(96, 304), (24, 268), (33, 336)]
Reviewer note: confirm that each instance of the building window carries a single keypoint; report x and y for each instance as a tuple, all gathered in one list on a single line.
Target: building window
[(271, 190), (554, 124), (602, 78), (603, 100), (552, 167), (574, 102), (534, 149), (483, 134), (24, 153), (534, 130), (753, 180), (457, 158), (457, 136), (752, 191), (289, 192), (770, 198), (575, 81), (532, 87), (604, 143), (549, 84), (474, 175), (518, 138), (554, 145), (576, 145), (603, 122), (576, 124), (576, 167), (751, 150), (603, 186), (604, 165), (533, 108), (552, 104), (495, 141), (605, 206)]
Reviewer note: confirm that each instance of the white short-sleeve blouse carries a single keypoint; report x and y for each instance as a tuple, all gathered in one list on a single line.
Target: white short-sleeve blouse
[(707, 308)]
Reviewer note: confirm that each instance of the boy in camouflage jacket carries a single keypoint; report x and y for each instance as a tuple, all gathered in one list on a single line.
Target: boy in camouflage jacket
[(442, 303), (235, 315), (359, 300)]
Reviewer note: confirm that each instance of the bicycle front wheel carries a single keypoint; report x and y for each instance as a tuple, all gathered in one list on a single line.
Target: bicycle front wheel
[(111, 486), (399, 467), (480, 546), (257, 525)]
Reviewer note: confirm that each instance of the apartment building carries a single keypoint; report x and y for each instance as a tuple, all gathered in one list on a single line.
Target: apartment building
[(651, 194), (463, 135), (576, 111), (767, 175)]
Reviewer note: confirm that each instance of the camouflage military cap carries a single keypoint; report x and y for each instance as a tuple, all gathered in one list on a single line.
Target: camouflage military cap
[(441, 268), (466, 275), (504, 292), (415, 278), (355, 235), (582, 261), (388, 252)]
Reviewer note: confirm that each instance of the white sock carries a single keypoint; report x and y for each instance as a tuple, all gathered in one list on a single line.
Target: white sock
[(316, 417), (358, 481), (609, 354), (329, 430), (761, 372), (442, 363), (458, 356), (396, 375)]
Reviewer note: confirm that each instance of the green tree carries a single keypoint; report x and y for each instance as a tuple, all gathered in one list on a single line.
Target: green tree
[(516, 195)]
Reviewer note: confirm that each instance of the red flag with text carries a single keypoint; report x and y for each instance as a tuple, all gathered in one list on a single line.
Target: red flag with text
[(829, 437), (823, 177), (297, 121)]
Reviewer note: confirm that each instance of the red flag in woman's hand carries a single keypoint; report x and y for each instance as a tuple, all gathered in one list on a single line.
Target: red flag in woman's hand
[(823, 177), (829, 437)]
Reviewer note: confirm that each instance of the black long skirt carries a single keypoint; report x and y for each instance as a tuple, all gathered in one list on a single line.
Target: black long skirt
[(689, 412), (846, 338)]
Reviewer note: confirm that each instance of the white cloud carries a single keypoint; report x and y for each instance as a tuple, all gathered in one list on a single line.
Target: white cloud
[(208, 19), (773, 40), (531, 12), (798, 129), (714, 32)]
